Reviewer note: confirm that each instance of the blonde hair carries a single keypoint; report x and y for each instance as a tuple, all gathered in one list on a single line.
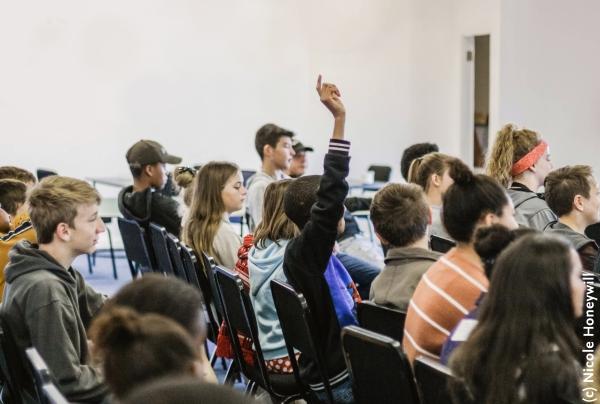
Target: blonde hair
[(55, 200), (511, 145), (184, 177), (207, 208), (275, 225), (422, 168)]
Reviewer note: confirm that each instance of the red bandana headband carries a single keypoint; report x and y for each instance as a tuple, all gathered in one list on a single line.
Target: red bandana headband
[(529, 159)]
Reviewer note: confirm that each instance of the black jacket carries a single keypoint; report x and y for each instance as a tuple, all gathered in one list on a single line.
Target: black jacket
[(150, 206), (305, 261)]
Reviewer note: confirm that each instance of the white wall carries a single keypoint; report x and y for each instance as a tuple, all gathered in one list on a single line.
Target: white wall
[(549, 74), (80, 81)]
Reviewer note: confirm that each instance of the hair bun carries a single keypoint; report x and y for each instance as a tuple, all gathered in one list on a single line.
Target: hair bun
[(491, 240), (116, 327), (460, 173)]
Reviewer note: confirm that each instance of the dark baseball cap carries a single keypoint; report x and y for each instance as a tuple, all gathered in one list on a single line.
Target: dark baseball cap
[(299, 147), (149, 152)]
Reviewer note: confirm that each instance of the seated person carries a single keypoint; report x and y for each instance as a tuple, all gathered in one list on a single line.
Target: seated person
[(520, 161), (524, 348), (414, 152), (19, 174), (489, 243), (573, 194), (400, 216), (274, 147), (219, 191), (298, 165), (431, 173), (136, 348), (316, 205), (46, 302), (172, 298), (451, 286), (147, 162), (13, 195), (178, 389)]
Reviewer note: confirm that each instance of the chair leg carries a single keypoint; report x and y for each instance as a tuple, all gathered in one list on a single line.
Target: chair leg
[(90, 265), (112, 253)]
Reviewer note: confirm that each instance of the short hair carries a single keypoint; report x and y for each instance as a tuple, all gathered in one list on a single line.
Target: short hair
[(16, 173), (13, 193), (169, 297), (55, 200), (135, 348), (299, 198), (400, 214), (269, 134), (468, 199), (185, 390), (563, 184), (415, 151)]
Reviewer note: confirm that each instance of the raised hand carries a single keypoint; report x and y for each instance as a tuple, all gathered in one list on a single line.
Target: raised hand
[(330, 97)]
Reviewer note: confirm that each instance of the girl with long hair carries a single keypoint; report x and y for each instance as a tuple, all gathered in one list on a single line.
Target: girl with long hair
[(524, 347), (520, 161), (218, 192)]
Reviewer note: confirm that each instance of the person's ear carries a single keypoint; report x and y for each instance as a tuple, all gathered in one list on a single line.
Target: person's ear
[(436, 180), (488, 219), (148, 170), (63, 232), (578, 202), (267, 150)]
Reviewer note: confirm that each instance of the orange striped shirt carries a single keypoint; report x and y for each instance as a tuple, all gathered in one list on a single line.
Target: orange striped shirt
[(445, 294)]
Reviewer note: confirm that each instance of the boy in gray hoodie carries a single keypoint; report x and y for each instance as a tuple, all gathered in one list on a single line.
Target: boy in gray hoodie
[(46, 303)]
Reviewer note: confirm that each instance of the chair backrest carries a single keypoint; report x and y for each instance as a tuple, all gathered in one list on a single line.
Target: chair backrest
[(174, 248), (40, 371), (209, 270), (134, 243), (240, 319), (197, 278), (380, 370), (381, 319), (246, 174), (298, 328), (382, 173), (158, 237), (432, 379), (441, 244), (16, 372), (53, 395)]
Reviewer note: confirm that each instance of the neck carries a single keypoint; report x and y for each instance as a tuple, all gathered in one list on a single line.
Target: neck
[(140, 184), (468, 250), (421, 243), (574, 221), (269, 168), (529, 180), (434, 197), (63, 256)]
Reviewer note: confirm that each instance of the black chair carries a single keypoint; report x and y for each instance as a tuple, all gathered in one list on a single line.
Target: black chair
[(42, 173), (246, 174), (158, 237), (53, 395), (382, 173), (380, 370), (432, 379), (209, 270), (441, 244), (174, 247), (197, 277), (40, 371), (381, 319), (136, 249), (107, 220), (16, 373), (298, 329), (240, 319)]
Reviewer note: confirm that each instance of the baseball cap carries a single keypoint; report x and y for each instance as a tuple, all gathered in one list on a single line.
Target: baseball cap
[(299, 147), (149, 152)]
